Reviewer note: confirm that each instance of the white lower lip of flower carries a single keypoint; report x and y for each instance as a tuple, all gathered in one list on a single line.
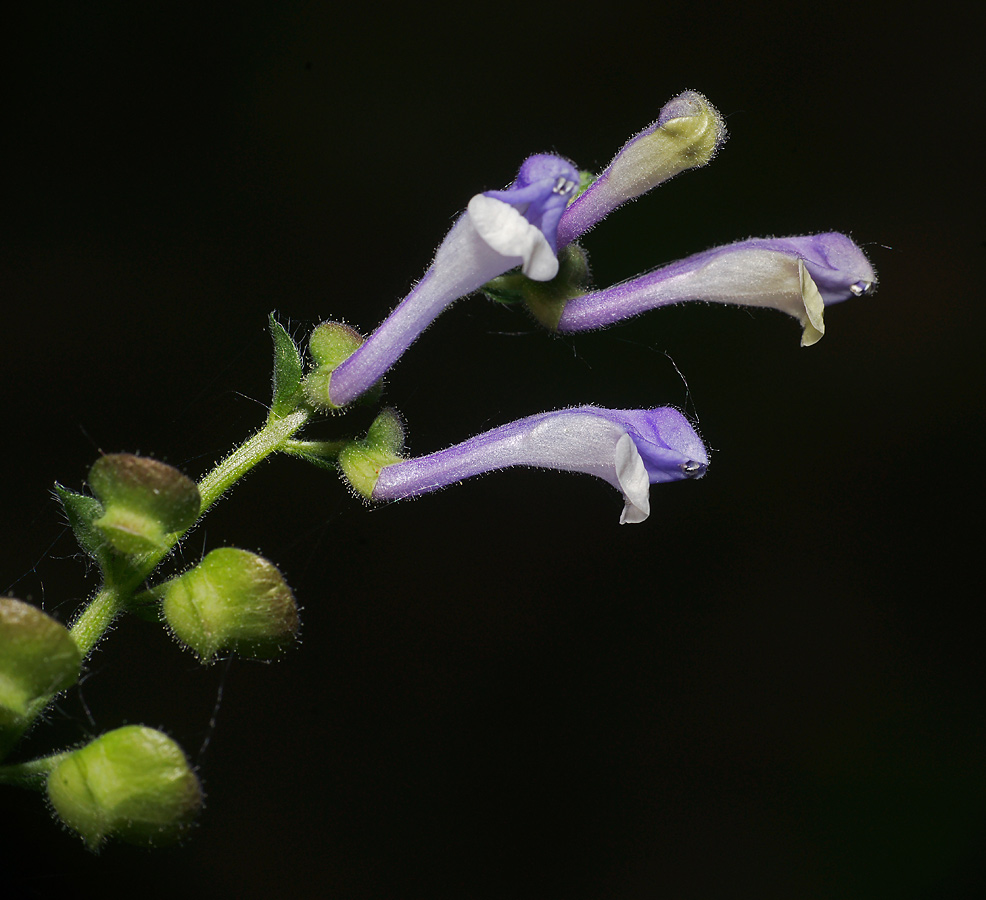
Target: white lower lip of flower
[(632, 481), (764, 278), (748, 277), (507, 232)]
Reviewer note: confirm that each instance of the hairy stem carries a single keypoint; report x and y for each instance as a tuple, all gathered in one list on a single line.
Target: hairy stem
[(93, 621), (113, 597), (271, 438), (31, 774)]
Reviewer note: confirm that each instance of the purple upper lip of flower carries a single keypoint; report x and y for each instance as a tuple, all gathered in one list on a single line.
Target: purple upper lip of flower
[(630, 449), (541, 192), (838, 267)]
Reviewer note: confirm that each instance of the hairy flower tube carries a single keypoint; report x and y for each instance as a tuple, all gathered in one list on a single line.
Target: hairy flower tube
[(499, 231), (687, 134), (629, 448), (797, 275)]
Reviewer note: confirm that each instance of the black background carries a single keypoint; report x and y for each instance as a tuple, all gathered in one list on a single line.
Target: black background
[(773, 687)]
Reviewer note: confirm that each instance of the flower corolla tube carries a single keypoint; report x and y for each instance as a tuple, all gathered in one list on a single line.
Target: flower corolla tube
[(797, 275), (499, 231), (631, 449)]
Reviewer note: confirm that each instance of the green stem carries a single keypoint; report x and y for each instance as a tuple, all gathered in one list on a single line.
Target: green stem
[(271, 438), (31, 774), (328, 450), (97, 616), (117, 592)]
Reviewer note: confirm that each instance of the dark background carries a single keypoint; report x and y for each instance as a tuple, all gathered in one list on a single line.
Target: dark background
[(773, 687)]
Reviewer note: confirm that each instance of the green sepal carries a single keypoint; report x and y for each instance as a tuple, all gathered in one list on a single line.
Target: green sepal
[(82, 511), (330, 344), (144, 502), (387, 431), (38, 659), (585, 179), (362, 460), (545, 299), (134, 783), (287, 392), (232, 601)]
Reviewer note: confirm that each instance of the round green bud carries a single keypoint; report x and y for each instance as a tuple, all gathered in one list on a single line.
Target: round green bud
[(231, 601), (143, 501), (38, 658), (133, 783), (332, 343)]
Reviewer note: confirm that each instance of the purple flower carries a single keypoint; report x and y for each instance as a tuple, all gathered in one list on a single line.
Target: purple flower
[(687, 134), (797, 275), (499, 231), (631, 449)]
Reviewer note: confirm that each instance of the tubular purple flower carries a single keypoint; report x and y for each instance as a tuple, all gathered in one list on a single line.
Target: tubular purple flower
[(629, 448), (687, 134), (499, 231), (797, 275)]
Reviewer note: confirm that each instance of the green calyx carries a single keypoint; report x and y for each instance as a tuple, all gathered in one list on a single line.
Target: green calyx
[(585, 179), (143, 500), (362, 460), (232, 601), (133, 783), (38, 659), (545, 299), (331, 344)]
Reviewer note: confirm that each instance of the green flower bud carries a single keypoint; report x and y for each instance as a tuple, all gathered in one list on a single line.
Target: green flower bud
[(361, 461), (133, 783), (330, 344), (231, 601), (143, 501), (38, 659)]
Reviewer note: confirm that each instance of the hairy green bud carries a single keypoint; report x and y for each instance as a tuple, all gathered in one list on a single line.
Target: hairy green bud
[(143, 501), (38, 659), (231, 601), (133, 783)]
